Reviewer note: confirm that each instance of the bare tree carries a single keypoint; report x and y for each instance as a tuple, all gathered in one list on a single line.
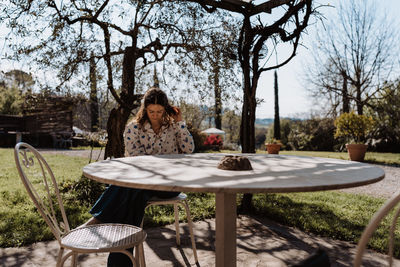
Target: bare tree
[(258, 40), (353, 57)]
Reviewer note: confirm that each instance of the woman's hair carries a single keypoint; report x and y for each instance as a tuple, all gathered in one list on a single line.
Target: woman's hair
[(155, 96)]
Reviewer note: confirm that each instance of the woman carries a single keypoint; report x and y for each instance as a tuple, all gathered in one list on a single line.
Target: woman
[(157, 129)]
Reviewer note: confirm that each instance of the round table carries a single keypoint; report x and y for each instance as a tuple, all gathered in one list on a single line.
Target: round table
[(199, 173)]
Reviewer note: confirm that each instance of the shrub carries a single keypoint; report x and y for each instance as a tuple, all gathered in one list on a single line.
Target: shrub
[(198, 138), (314, 134), (84, 190), (353, 127)]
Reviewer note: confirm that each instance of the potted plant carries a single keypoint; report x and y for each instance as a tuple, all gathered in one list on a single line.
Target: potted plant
[(355, 129), (273, 146)]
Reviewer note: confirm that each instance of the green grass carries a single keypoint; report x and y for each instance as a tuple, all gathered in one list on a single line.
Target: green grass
[(370, 157), (21, 224), (86, 148), (333, 214)]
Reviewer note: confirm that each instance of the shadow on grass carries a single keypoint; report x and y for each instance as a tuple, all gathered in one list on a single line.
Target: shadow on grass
[(324, 220)]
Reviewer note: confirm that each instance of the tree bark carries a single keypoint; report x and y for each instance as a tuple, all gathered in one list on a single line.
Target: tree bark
[(115, 128), (345, 95), (94, 102), (247, 135), (247, 132), (359, 102), (277, 124), (119, 116), (218, 100)]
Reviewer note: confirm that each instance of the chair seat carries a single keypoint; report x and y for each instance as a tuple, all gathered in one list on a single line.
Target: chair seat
[(103, 238)]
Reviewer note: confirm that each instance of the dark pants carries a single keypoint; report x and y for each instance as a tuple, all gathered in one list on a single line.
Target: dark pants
[(124, 205)]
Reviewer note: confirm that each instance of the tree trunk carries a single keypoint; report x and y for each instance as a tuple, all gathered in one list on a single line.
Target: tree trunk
[(247, 135), (247, 132), (345, 95), (115, 128), (359, 101), (217, 100), (119, 116), (277, 124), (94, 103)]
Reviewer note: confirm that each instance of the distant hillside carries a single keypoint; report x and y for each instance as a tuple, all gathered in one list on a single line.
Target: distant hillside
[(264, 122)]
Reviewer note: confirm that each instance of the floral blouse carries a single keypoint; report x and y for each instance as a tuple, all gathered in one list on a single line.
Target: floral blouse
[(172, 139)]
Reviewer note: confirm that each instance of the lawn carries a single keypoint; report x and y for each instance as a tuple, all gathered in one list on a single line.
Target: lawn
[(370, 157), (331, 214)]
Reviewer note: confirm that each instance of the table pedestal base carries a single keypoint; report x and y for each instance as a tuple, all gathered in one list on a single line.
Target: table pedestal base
[(225, 229)]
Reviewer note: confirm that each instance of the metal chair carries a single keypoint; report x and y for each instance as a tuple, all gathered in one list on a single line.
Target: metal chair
[(178, 200), (41, 186), (391, 204)]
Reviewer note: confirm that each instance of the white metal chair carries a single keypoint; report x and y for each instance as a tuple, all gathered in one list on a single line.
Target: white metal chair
[(391, 204), (41, 185), (178, 200)]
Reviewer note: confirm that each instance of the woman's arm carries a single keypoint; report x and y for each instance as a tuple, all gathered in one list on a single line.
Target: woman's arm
[(133, 146), (184, 138)]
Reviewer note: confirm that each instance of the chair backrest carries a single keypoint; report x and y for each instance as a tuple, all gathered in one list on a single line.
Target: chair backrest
[(389, 206), (41, 186)]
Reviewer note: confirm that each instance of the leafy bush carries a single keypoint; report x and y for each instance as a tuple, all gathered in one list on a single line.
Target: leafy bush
[(84, 190), (386, 113), (274, 141), (198, 138), (353, 127), (286, 128), (96, 139), (11, 100), (316, 134)]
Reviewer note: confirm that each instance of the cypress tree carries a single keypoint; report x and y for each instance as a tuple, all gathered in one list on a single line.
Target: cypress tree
[(277, 124)]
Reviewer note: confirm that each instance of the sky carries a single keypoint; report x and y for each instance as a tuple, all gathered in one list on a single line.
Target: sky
[(294, 100)]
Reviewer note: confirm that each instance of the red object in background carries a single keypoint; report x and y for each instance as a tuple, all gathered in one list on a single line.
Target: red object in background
[(213, 140)]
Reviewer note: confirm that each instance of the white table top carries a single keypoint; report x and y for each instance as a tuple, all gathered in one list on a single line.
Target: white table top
[(199, 173)]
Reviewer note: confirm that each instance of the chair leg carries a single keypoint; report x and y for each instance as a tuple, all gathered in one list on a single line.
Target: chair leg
[(59, 257), (178, 236), (62, 261), (190, 224), (74, 260), (140, 255)]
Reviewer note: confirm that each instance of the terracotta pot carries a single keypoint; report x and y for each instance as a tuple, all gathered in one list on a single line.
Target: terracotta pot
[(273, 148), (356, 151)]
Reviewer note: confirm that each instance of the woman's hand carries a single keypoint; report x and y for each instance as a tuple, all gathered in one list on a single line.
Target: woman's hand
[(178, 114)]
